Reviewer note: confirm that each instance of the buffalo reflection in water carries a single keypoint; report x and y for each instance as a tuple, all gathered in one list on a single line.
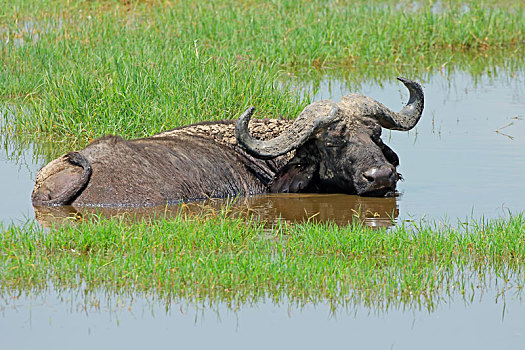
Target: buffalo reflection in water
[(338, 208)]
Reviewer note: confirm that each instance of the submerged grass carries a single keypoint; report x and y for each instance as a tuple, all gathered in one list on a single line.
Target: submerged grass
[(135, 68), (220, 258)]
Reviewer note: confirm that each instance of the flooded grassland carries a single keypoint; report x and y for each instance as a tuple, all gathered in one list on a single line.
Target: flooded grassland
[(440, 265), (453, 252)]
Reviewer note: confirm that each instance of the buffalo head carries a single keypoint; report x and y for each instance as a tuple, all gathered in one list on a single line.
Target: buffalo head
[(338, 146)]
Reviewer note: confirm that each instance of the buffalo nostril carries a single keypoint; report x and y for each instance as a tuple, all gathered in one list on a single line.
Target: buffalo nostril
[(370, 174), (381, 174)]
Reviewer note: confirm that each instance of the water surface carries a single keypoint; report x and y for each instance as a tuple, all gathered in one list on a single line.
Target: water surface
[(69, 322), (18, 168)]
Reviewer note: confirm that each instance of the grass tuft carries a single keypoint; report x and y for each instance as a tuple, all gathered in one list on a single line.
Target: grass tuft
[(221, 258)]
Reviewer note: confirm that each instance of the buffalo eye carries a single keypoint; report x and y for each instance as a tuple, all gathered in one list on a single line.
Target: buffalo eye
[(336, 143)]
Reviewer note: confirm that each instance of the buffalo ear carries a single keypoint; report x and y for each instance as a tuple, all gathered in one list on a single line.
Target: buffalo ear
[(293, 177), (389, 154)]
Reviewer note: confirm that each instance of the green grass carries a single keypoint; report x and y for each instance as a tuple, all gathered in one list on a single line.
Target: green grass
[(235, 260), (140, 98), (73, 71)]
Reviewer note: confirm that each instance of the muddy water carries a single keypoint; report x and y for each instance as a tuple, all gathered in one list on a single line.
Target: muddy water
[(341, 209), (465, 159)]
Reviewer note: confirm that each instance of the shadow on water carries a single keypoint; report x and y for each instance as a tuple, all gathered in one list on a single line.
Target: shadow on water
[(293, 208)]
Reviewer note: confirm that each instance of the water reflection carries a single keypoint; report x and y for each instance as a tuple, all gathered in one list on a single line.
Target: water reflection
[(338, 208), (137, 322)]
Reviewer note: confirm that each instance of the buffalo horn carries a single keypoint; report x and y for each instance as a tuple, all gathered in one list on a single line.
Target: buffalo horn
[(408, 117), (297, 134)]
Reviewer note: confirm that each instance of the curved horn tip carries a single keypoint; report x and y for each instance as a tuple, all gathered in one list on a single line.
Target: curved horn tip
[(408, 82), (248, 112)]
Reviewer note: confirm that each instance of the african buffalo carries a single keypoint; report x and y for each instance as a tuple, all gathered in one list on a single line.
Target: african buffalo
[(329, 147)]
